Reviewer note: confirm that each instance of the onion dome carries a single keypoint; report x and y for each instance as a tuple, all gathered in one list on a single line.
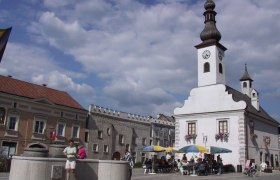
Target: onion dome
[(210, 32)]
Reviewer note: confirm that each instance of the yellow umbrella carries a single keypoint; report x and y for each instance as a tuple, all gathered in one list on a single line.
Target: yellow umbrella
[(171, 149), (153, 148)]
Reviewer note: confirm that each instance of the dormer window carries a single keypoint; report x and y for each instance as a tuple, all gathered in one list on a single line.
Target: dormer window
[(206, 67)]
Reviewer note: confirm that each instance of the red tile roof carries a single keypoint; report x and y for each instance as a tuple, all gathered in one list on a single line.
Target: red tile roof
[(25, 89)]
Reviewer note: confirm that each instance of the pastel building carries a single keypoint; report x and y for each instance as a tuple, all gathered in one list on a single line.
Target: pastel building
[(31, 113)]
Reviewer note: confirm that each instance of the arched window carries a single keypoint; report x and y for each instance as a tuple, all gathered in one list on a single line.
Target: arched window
[(220, 68), (206, 67), (244, 84)]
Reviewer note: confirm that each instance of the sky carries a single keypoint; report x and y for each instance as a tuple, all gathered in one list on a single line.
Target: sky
[(138, 56)]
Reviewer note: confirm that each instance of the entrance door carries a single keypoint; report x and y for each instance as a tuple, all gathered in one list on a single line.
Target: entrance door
[(272, 160), (9, 148)]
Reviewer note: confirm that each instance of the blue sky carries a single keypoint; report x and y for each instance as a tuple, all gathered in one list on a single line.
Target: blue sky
[(138, 56)]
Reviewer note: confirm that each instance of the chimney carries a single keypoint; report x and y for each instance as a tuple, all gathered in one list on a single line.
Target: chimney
[(44, 85)]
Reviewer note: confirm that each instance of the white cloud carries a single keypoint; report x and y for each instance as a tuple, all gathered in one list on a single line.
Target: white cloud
[(143, 56)]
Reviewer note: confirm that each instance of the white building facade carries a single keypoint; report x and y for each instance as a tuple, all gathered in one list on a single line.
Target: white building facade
[(217, 115)]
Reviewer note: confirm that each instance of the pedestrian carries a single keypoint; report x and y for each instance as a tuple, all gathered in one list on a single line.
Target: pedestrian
[(219, 164), (81, 152), (127, 157), (70, 153)]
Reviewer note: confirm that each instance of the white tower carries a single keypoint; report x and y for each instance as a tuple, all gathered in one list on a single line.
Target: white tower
[(210, 52), (246, 83)]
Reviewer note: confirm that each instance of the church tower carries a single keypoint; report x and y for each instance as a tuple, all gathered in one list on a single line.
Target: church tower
[(210, 52), (246, 83)]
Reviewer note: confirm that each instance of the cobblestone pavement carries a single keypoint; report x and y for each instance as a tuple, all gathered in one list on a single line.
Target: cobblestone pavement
[(139, 175)]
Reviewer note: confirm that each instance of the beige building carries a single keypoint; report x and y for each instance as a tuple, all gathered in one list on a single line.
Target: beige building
[(30, 113)]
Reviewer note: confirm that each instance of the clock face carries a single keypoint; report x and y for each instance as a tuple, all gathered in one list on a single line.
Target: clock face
[(220, 55), (206, 54)]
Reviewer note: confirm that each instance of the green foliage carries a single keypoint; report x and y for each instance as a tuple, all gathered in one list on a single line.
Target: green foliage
[(138, 165)]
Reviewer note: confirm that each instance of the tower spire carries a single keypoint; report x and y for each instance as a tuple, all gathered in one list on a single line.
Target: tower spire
[(246, 75), (210, 35)]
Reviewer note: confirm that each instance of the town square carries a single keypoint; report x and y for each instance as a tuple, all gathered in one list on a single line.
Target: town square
[(131, 90)]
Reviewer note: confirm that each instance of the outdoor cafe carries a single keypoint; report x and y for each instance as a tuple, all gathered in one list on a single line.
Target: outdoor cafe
[(202, 161)]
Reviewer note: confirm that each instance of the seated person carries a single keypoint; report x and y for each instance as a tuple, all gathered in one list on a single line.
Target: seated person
[(180, 167), (184, 159), (201, 168)]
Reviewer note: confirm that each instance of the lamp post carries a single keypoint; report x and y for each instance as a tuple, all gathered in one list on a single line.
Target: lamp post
[(204, 139)]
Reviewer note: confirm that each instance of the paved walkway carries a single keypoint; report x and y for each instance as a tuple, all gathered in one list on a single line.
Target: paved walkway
[(139, 175)]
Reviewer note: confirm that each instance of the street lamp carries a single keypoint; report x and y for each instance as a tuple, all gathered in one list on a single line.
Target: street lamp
[(204, 139)]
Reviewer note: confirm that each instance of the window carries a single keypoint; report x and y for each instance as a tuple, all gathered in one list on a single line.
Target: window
[(251, 125), (191, 128), (144, 141), (206, 67), (2, 115), (13, 122), (127, 146), (158, 141), (60, 129), (75, 131), (223, 127), (100, 134), (106, 149), (261, 158), (151, 142), (121, 139), (244, 84), (15, 105), (220, 68), (134, 140), (86, 136), (61, 114), (108, 131), (95, 147), (39, 126), (8, 148)]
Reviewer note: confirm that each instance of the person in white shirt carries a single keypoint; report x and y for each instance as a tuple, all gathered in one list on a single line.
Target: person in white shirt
[(70, 153)]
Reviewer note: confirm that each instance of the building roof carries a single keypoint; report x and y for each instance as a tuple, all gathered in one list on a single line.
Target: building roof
[(238, 96), (166, 118), (17, 87), (246, 75)]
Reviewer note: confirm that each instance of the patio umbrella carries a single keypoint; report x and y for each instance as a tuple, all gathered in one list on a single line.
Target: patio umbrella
[(153, 148), (194, 149), (219, 150), (171, 149)]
